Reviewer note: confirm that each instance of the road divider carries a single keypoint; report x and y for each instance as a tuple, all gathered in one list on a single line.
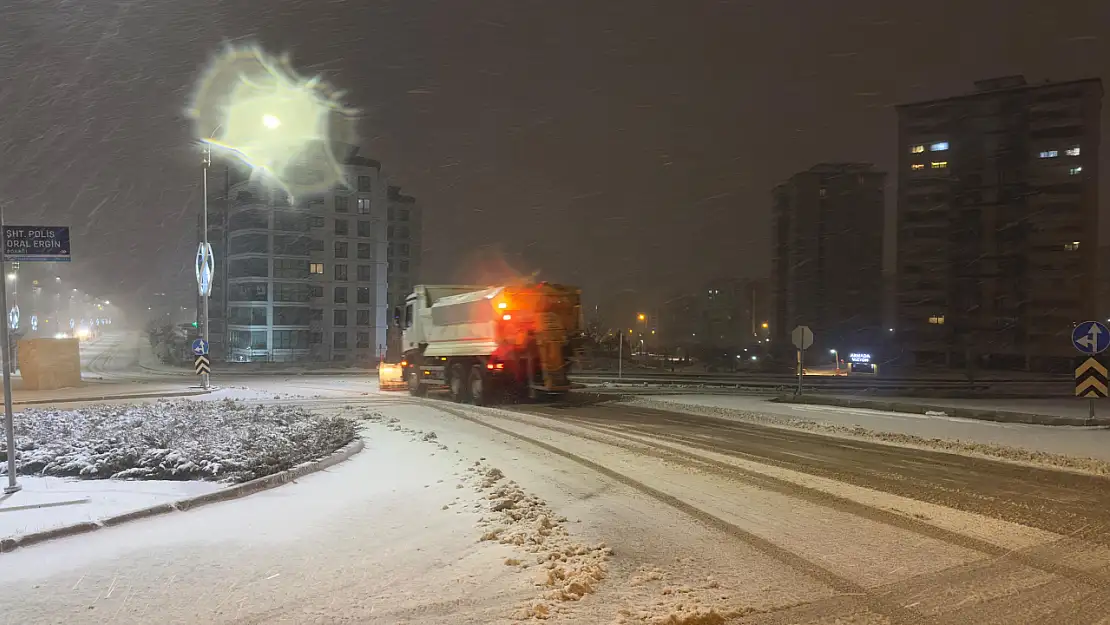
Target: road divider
[(982, 414), (1047, 387)]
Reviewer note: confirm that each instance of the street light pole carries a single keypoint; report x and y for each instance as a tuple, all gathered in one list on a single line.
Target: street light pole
[(207, 160), (5, 344), (620, 355)]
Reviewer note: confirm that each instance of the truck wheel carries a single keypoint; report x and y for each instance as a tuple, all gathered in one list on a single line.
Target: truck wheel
[(416, 389), (479, 392), (459, 387)]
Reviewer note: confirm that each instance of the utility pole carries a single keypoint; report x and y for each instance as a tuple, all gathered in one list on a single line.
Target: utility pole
[(205, 289), (9, 418)]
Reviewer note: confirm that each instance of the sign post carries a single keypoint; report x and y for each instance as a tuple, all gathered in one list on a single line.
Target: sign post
[(22, 243), (201, 363), (802, 337), (1090, 338), (205, 268)]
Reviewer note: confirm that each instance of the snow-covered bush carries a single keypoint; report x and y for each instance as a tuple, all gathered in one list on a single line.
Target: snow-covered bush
[(173, 440)]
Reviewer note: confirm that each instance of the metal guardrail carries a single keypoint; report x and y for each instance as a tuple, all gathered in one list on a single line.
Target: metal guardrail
[(741, 376), (835, 384)]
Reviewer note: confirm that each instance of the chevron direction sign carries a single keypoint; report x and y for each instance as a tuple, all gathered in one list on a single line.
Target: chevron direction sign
[(1090, 379), (202, 365)]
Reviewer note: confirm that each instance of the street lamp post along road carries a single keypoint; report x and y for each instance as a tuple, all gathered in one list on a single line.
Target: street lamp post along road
[(206, 161)]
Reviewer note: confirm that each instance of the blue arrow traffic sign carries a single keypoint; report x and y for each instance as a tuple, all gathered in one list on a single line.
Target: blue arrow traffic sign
[(200, 347), (1090, 337)]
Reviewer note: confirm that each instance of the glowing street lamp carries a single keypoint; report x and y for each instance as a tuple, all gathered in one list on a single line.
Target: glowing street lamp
[(274, 121), (255, 109)]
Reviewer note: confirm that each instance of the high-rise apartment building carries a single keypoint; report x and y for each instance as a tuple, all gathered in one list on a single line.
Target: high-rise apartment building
[(302, 279), (405, 237), (998, 224), (827, 258)]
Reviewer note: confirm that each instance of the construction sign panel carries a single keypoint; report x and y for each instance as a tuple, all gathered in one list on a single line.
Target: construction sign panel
[(1090, 379)]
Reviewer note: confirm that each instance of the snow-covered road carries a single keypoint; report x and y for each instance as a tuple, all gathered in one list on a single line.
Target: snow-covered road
[(706, 519)]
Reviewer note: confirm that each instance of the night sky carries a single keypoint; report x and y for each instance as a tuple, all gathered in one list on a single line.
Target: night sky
[(625, 146)]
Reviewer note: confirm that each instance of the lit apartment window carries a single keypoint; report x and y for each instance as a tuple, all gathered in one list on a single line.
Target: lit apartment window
[(917, 166), (363, 206), (1071, 247), (939, 164), (316, 268), (917, 149), (1073, 151), (939, 146), (937, 320), (1075, 171), (1049, 154)]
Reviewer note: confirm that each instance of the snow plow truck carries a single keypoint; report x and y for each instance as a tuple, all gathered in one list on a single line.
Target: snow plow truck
[(483, 344)]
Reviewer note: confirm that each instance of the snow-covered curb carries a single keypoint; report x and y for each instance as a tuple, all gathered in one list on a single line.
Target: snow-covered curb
[(231, 492), (40, 401)]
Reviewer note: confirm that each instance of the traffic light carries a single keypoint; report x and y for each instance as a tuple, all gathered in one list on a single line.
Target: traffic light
[(194, 324)]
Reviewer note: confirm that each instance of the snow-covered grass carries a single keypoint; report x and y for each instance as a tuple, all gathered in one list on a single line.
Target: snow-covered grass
[(173, 440)]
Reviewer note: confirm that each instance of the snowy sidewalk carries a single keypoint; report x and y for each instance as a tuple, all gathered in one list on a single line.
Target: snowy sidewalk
[(48, 503)]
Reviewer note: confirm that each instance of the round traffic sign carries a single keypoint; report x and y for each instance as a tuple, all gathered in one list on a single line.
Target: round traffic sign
[(1090, 337)]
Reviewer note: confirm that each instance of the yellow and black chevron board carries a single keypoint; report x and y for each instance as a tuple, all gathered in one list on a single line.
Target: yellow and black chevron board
[(1090, 378)]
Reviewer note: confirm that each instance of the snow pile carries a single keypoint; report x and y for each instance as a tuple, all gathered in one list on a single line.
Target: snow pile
[(173, 440), (1003, 452), (565, 569)]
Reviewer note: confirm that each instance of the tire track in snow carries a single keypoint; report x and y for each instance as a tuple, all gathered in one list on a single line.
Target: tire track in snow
[(854, 596), (836, 502), (872, 601), (1090, 610)]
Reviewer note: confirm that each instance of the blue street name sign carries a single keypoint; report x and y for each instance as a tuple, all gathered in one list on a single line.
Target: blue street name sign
[(1090, 337), (36, 243), (200, 347)]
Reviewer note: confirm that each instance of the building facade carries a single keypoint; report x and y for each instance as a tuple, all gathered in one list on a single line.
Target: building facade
[(726, 314), (301, 279), (405, 235), (826, 266), (998, 224)]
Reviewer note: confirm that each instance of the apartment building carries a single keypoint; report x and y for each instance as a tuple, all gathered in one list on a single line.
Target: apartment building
[(826, 268), (301, 279), (405, 236), (998, 224)]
